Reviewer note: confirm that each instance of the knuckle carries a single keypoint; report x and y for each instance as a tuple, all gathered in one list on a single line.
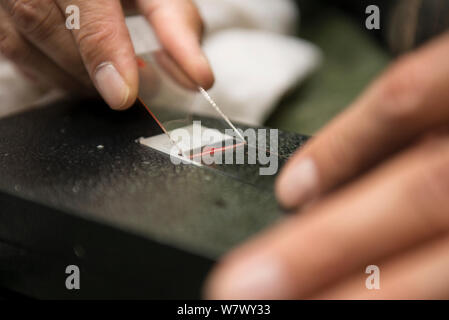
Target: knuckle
[(25, 13), (11, 48), (45, 27), (402, 94), (95, 36), (337, 155), (430, 189), (339, 150)]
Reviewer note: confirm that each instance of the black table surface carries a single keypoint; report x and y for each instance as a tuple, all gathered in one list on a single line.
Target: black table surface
[(76, 188)]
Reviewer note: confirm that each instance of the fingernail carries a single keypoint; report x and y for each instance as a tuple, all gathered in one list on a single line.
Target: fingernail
[(257, 278), (299, 184), (111, 86)]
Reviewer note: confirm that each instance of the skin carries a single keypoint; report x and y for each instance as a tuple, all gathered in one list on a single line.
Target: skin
[(33, 36), (372, 188)]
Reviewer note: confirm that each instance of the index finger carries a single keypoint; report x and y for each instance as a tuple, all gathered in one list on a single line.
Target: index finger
[(408, 100), (395, 207), (179, 28)]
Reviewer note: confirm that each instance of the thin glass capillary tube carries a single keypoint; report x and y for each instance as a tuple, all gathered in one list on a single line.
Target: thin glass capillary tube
[(160, 124), (217, 108), (206, 95), (234, 146)]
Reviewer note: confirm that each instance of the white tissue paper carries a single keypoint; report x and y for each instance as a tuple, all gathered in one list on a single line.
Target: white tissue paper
[(253, 55), (249, 44)]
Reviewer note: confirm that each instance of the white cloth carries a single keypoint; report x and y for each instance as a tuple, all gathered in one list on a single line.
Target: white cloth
[(253, 70), (248, 42)]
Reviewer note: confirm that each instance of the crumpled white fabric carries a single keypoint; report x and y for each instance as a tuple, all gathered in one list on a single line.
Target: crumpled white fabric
[(253, 70), (249, 44), (279, 16)]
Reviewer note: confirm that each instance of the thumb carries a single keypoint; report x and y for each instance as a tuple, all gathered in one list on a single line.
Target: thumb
[(106, 49)]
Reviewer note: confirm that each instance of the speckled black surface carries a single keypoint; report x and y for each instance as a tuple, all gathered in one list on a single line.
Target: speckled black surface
[(81, 160)]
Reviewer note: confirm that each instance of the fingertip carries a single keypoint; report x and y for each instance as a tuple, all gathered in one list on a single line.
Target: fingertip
[(211, 288), (281, 194), (131, 76), (197, 68), (220, 283), (285, 193), (297, 184), (117, 85), (181, 38), (253, 275), (132, 96), (223, 279), (204, 74), (129, 103)]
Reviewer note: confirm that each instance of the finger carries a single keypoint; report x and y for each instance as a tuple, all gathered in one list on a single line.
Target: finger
[(29, 59), (397, 205), (178, 26), (106, 49), (411, 98), (42, 23), (422, 273)]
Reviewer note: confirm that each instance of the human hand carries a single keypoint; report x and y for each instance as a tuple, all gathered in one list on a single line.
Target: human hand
[(34, 36), (376, 185)]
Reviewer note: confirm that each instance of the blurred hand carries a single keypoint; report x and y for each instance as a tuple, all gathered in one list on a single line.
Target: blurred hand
[(376, 185), (33, 35)]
